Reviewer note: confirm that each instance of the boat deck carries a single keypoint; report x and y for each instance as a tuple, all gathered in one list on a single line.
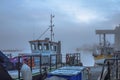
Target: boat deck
[(14, 73)]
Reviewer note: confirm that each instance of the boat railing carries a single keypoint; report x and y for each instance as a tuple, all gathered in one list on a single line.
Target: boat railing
[(73, 59), (43, 69), (111, 70)]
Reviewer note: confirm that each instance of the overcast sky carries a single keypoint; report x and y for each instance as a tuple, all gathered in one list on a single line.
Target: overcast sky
[(75, 21)]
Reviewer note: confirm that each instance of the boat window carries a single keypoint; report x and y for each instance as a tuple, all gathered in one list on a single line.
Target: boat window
[(46, 46), (40, 46), (52, 48), (55, 48), (33, 47)]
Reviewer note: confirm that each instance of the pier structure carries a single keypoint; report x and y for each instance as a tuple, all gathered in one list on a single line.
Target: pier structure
[(103, 33)]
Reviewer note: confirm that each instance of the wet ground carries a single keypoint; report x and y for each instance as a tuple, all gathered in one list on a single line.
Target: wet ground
[(95, 72)]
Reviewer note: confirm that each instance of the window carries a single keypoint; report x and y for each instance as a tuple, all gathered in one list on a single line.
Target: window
[(52, 48), (33, 47), (55, 48), (40, 46), (46, 46)]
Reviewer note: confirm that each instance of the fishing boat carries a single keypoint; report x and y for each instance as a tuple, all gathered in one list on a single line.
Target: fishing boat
[(46, 47), (103, 53), (44, 52)]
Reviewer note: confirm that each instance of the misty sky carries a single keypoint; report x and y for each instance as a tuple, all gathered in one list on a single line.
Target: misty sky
[(75, 21)]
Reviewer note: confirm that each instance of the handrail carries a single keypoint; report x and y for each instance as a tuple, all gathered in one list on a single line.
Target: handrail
[(108, 64), (70, 57), (40, 63)]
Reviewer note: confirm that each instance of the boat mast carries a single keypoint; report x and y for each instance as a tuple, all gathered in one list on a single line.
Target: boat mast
[(51, 26)]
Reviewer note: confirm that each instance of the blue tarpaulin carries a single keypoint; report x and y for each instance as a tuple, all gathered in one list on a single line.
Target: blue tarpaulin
[(72, 77), (69, 73)]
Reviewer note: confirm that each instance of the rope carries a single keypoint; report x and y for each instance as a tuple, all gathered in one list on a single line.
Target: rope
[(43, 33)]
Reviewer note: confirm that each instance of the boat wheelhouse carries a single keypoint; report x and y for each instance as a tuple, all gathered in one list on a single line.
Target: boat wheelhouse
[(45, 47)]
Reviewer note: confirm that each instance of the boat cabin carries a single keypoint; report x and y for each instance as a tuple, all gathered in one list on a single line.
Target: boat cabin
[(45, 46)]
